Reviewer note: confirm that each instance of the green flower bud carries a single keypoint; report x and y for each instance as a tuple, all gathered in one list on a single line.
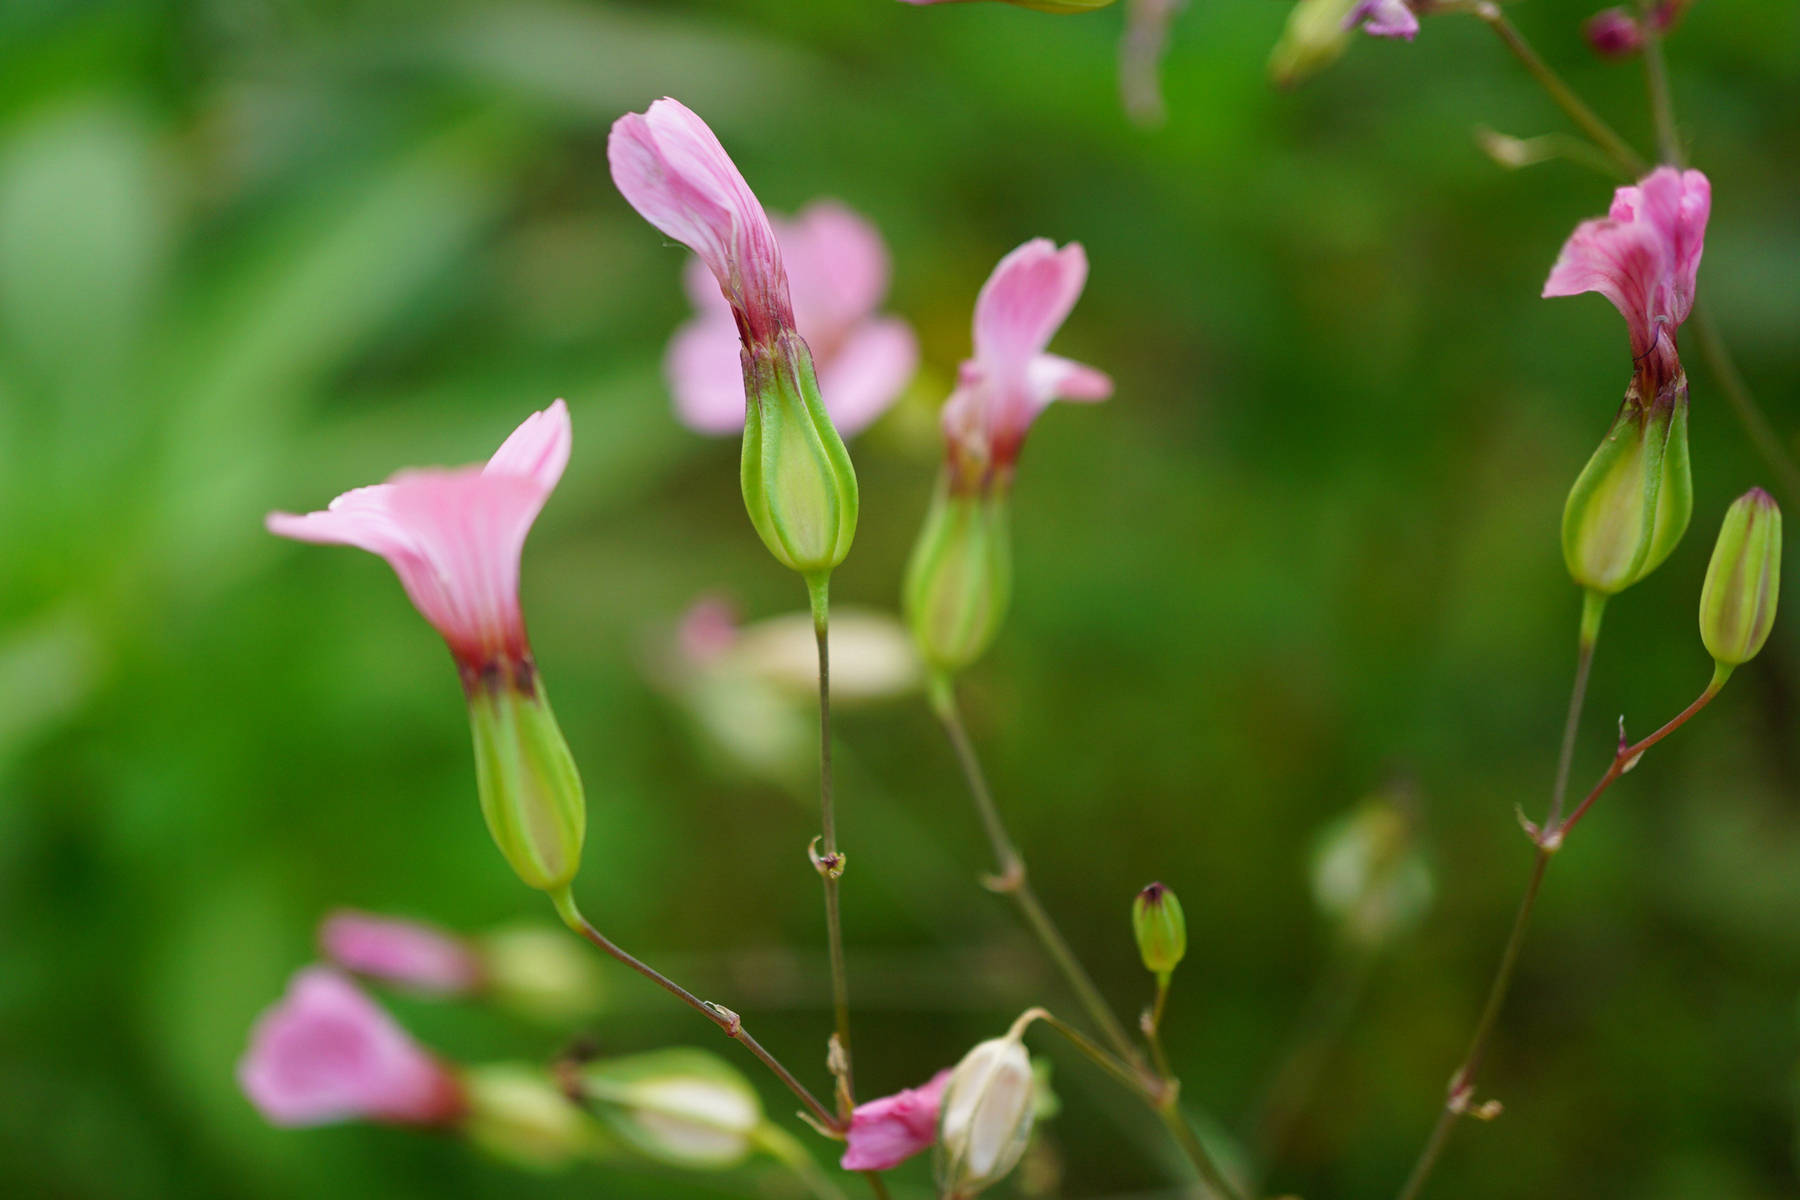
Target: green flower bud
[(1161, 929), (799, 486), (541, 973), (530, 790), (518, 1115), (1315, 36), (1743, 581), (959, 579), (1368, 874), (1632, 502), (986, 1115), (684, 1107)]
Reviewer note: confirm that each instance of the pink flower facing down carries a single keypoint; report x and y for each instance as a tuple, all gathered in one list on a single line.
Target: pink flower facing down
[(327, 1053), (837, 268), (1643, 256), (407, 953), (1384, 18), (886, 1132), (455, 538), (1011, 379)]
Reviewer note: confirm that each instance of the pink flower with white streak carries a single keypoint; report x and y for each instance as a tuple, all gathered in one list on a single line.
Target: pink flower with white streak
[(1011, 379), (413, 955), (1644, 256), (1384, 18), (885, 1133), (327, 1053), (455, 536), (837, 268)]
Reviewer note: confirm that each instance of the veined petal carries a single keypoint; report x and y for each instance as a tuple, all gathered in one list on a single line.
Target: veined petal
[(537, 450), (1025, 301)]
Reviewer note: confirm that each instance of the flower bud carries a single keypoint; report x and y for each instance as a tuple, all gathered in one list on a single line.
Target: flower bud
[(684, 1107), (1631, 503), (1161, 929), (1613, 33), (799, 486), (1737, 603), (1368, 874), (959, 579), (988, 1109), (1313, 39), (515, 1113), (541, 973), (530, 791)]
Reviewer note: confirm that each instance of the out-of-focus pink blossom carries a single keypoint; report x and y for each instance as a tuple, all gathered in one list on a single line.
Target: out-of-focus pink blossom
[(837, 270), (708, 629), (886, 1132), (454, 536), (408, 953), (1011, 379), (1643, 256), (669, 166), (1613, 33), (327, 1053), (1384, 18)]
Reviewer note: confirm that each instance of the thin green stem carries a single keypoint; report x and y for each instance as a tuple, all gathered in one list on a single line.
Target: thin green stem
[(1656, 80), (1153, 1028), (728, 1022), (1628, 756), (828, 860), (1593, 604)]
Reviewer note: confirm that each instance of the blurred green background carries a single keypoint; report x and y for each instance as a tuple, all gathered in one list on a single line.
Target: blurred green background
[(253, 252)]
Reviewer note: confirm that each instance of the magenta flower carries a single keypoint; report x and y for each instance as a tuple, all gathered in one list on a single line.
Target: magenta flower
[(1384, 18), (455, 537), (327, 1053), (1643, 256), (408, 953), (1011, 379), (837, 268), (886, 1132), (1613, 33)]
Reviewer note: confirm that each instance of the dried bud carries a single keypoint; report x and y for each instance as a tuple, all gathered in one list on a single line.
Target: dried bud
[(959, 579), (988, 1109), (1737, 604), (1631, 504), (1368, 874), (530, 790), (684, 1107), (1161, 929), (517, 1114)]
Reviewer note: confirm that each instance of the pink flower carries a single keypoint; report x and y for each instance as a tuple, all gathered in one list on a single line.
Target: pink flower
[(1613, 33), (838, 271), (886, 1132), (1384, 18), (1011, 379), (327, 1053), (671, 168), (403, 952), (1643, 256), (455, 537)]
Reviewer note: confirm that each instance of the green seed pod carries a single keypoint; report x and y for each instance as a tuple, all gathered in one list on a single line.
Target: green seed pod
[(799, 486), (1161, 929), (1743, 581), (530, 790), (516, 1114), (959, 579), (1632, 502), (684, 1107)]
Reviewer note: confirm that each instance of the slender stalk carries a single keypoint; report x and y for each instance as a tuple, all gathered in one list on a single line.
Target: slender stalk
[(729, 1022), (1593, 604), (1153, 1029), (1628, 756), (828, 860), (1656, 80)]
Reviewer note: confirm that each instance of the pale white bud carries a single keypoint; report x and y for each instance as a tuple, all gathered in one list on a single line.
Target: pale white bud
[(987, 1113)]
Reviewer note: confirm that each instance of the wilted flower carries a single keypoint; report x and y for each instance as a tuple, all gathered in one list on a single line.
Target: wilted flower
[(837, 269), (885, 1133), (327, 1053), (1743, 580), (414, 955), (988, 1108), (684, 1107), (1385, 18)]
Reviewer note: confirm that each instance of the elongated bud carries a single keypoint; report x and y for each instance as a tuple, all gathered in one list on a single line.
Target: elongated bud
[(530, 790), (1161, 929), (799, 486), (517, 1114), (684, 1107), (988, 1108), (959, 579), (1631, 503), (1743, 581), (1314, 38), (1368, 875)]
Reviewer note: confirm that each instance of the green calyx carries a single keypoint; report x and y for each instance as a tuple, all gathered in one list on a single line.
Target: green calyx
[(1743, 581), (1160, 928), (799, 484), (531, 795), (959, 579), (1315, 36), (1632, 502)]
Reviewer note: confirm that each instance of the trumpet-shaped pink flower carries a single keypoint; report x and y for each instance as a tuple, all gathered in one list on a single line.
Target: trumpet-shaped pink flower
[(670, 167), (455, 537), (1011, 379), (408, 953), (1384, 18), (837, 269), (1643, 256), (886, 1132), (327, 1053)]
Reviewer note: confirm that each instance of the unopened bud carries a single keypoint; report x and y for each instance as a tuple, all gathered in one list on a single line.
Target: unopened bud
[(1613, 33), (517, 1114), (959, 579), (541, 973), (530, 790), (1314, 38), (799, 486), (988, 1109), (1743, 581), (684, 1107), (1368, 874), (1632, 502), (1161, 929)]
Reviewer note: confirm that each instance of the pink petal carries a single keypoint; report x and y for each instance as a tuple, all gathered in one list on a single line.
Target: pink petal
[(1384, 18), (403, 952), (837, 267), (706, 375), (537, 450), (885, 1133), (671, 168), (1053, 377), (867, 373), (326, 1053), (1613, 33), (1025, 301)]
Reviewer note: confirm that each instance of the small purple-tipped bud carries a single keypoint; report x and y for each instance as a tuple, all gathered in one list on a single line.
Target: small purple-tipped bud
[(1737, 603), (1613, 33), (1161, 929)]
